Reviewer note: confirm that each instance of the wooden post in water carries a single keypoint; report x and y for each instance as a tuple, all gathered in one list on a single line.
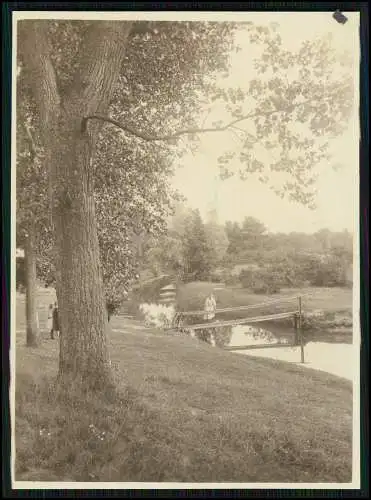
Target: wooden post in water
[(296, 339), (301, 332)]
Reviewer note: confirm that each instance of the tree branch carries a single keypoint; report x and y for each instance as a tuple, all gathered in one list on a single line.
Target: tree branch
[(168, 137), (235, 134), (35, 48), (151, 137)]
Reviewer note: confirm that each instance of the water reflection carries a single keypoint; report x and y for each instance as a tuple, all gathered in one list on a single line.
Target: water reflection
[(250, 335)]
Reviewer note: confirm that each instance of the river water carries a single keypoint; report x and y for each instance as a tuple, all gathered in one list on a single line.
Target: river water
[(338, 359)]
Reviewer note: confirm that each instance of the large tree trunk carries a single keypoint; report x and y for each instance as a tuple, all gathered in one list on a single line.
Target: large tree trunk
[(84, 358), (31, 311), (84, 352), (83, 318)]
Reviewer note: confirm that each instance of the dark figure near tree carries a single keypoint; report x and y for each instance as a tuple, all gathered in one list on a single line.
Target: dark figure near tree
[(110, 310), (55, 321)]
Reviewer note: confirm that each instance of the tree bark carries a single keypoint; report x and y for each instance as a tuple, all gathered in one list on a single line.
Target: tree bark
[(84, 353), (31, 312), (84, 358)]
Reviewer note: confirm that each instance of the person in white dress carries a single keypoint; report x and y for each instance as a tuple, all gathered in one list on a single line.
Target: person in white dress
[(209, 313), (210, 307)]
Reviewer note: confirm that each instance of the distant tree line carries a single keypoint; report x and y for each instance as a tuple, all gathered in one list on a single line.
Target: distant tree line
[(247, 254), (241, 254)]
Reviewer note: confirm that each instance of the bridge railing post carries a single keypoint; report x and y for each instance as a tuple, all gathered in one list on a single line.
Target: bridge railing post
[(301, 330), (296, 332)]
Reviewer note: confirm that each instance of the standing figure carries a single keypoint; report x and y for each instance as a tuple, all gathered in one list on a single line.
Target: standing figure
[(49, 323), (209, 314), (210, 307), (55, 321)]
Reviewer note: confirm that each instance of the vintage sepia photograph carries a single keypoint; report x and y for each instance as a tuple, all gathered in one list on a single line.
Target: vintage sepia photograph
[(185, 273)]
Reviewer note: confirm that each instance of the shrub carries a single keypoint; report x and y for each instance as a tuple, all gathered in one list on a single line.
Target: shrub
[(265, 281), (331, 273), (318, 270), (147, 292), (219, 276), (112, 307), (311, 321), (246, 278), (157, 315), (131, 306), (232, 280)]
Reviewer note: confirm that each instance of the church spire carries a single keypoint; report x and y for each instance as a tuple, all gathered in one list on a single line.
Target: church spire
[(213, 213)]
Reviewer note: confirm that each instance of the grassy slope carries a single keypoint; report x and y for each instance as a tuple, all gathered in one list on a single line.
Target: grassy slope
[(187, 412)]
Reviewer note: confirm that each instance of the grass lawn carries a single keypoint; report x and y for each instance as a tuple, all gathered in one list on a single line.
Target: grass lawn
[(186, 412), (192, 296)]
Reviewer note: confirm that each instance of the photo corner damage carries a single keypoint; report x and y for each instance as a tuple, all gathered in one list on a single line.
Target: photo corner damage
[(339, 17)]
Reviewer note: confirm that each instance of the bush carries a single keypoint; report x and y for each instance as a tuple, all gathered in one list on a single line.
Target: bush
[(322, 320), (157, 315), (112, 307), (330, 273), (318, 270), (311, 321), (265, 289), (246, 278), (295, 269), (264, 281), (131, 306), (232, 280), (219, 276), (150, 291)]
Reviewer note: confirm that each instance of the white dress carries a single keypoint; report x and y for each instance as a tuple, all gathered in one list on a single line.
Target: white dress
[(210, 306)]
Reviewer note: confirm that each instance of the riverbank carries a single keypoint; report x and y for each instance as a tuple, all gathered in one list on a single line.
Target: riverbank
[(337, 359)]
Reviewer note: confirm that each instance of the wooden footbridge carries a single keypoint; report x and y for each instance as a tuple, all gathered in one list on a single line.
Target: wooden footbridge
[(295, 312)]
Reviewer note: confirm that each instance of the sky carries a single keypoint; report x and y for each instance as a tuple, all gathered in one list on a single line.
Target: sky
[(337, 191)]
